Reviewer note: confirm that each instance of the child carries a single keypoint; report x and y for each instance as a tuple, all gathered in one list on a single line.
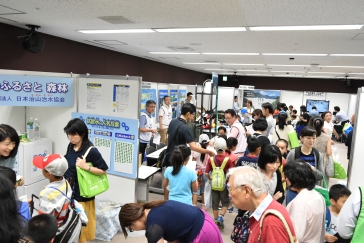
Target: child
[(231, 144), (338, 196), (23, 207), (294, 121), (179, 177), (282, 144), (219, 160), (54, 199), (251, 159)]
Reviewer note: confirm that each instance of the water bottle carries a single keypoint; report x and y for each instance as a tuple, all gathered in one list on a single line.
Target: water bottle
[(36, 127), (30, 130)]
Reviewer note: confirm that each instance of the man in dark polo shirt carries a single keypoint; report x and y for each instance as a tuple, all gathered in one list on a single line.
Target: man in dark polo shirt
[(183, 136)]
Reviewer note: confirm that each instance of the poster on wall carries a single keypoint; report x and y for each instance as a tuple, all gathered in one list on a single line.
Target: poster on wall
[(17, 90), (121, 98), (174, 102), (259, 96), (148, 94), (117, 141), (162, 93), (182, 97)]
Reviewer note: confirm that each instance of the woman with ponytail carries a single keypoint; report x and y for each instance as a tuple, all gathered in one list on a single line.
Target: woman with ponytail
[(323, 141), (282, 130), (169, 220), (180, 178)]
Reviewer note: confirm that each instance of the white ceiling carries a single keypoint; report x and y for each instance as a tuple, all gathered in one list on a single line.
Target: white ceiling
[(63, 18)]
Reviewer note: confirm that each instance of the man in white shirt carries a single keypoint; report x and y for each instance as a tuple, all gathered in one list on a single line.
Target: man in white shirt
[(236, 105), (340, 116), (188, 99), (165, 117), (267, 110)]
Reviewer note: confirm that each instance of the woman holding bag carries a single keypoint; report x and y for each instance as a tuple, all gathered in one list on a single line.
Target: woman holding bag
[(77, 133), (282, 130)]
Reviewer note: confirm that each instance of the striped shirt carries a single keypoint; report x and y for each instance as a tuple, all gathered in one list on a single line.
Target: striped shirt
[(310, 158), (53, 201)]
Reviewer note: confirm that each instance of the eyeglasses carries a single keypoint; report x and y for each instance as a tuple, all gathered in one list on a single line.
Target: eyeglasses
[(230, 189), (227, 118), (153, 106)]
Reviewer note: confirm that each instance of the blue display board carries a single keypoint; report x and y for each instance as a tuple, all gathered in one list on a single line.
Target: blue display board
[(148, 94), (162, 93), (174, 102), (16, 90), (182, 97), (116, 139)]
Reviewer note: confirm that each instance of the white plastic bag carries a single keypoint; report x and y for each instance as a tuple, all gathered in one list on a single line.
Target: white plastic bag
[(208, 198), (81, 211)]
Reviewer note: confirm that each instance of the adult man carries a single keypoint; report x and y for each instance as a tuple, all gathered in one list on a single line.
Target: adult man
[(146, 126), (165, 117), (40, 229), (236, 105), (267, 110), (183, 134), (248, 192), (188, 99), (340, 116), (237, 131), (314, 112)]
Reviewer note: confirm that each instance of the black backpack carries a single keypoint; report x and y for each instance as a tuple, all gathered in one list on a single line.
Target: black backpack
[(297, 152)]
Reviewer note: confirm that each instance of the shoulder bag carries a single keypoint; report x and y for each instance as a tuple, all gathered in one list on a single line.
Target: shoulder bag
[(90, 184), (162, 158)]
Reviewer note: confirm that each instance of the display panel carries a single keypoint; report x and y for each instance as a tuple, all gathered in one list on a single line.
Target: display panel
[(321, 105)]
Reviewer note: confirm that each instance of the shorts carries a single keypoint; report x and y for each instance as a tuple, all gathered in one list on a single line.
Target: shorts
[(209, 231), (222, 197), (201, 189)]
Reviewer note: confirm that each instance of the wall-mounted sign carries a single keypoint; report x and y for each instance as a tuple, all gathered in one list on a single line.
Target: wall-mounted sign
[(311, 93), (246, 87), (16, 90)]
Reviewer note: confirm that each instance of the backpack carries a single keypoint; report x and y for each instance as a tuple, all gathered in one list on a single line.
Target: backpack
[(218, 175), (315, 151)]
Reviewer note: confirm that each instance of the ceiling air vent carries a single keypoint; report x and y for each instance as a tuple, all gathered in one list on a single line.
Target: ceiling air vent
[(181, 48), (116, 20)]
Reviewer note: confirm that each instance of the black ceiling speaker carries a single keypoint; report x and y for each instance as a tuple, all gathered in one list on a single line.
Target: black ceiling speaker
[(32, 41)]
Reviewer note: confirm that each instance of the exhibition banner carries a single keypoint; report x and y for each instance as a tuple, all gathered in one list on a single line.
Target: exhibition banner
[(174, 102), (260, 96), (148, 94), (17, 90), (116, 139)]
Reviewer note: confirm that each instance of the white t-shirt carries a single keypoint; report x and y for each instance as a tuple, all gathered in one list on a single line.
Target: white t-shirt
[(329, 126), (333, 225)]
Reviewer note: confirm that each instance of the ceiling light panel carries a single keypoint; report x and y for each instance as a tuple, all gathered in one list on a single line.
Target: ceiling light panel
[(122, 31), (262, 71), (326, 73), (347, 55), (202, 63), (283, 65), (308, 27), (341, 66), (220, 29), (241, 64), (292, 54), (217, 69), (232, 53), (287, 72), (174, 53)]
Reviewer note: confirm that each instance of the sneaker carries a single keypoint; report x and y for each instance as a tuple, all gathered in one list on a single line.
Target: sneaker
[(203, 207), (220, 222), (220, 206), (231, 209)]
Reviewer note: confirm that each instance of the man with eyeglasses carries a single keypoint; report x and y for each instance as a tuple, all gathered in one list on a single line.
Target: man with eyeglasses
[(248, 192), (146, 126), (237, 131)]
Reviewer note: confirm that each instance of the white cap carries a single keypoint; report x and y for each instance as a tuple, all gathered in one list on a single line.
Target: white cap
[(220, 144), (203, 137)]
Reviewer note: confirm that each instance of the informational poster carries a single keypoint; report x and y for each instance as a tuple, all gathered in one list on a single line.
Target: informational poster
[(162, 93), (174, 102), (117, 141), (182, 97), (259, 96), (94, 96), (121, 98), (148, 94), (17, 90)]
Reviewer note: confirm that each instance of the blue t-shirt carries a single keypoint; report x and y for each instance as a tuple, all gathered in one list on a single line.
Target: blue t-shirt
[(174, 221), (180, 184), (310, 158), (249, 160), (24, 210)]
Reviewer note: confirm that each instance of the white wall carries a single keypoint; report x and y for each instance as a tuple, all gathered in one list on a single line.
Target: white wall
[(294, 98), (13, 116), (339, 99), (225, 98), (352, 105)]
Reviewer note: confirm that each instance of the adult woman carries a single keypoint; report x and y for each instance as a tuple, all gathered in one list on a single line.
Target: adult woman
[(323, 141), (303, 120), (9, 144), (77, 133), (11, 221), (179, 222), (282, 130), (257, 113), (307, 209), (328, 125), (270, 159), (249, 111)]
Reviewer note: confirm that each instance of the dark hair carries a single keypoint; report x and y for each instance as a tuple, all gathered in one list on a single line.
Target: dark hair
[(250, 102), (317, 123), (78, 127), (300, 174), (308, 131), (282, 117), (294, 116), (324, 114), (230, 142), (303, 108), (8, 173), (178, 157), (222, 128), (235, 97), (188, 107), (257, 112), (189, 94), (7, 131), (282, 140), (269, 154), (149, 102), (253, 144), (165, 97), (11, 222), (42, 228), (231, 112), (131, 212), (291, 106), (294, 111), (336, 108), (314, 107), (224, 137), (284, 106), (260, 124), (203, 145), (56, 177), (268, 106), (337, 191)]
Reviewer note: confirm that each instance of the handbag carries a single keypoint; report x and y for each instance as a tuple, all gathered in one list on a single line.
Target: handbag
[(329, 167), (293, 140), (90, 184), (339, 171), (323, 191), (162, 158), (292, 239), (240, 233)]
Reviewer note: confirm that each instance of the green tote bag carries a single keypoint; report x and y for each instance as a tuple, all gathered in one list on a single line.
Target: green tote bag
[(90, 184), (293, 140)]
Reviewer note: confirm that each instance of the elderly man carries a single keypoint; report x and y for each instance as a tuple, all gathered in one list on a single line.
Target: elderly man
[(237, 131), (146, 130), (248, 192)]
